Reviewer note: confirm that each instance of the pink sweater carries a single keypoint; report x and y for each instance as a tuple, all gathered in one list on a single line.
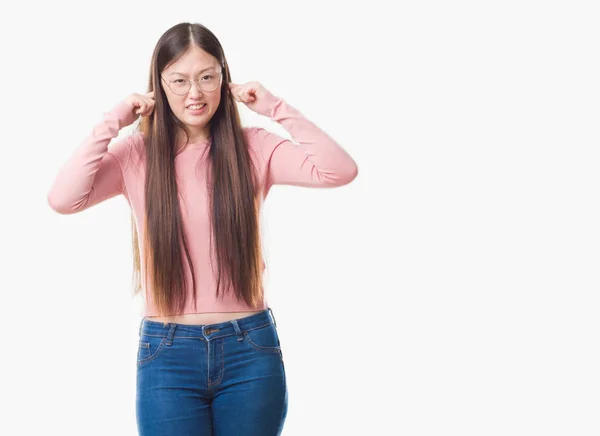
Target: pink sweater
[(97, 172)]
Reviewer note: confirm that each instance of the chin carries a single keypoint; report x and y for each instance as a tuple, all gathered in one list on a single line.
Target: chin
[(195, 123)]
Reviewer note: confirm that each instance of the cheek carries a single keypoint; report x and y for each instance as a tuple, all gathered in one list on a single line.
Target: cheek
[(176, 104), (214, 101)]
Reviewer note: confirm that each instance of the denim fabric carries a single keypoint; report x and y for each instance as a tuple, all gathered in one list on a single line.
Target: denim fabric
[(220, 379)]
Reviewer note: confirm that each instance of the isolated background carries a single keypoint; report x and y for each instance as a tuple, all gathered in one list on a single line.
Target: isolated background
[(451, 289)]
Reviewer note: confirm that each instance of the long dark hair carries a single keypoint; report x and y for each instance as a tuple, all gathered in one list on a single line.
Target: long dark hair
[(232, 189)]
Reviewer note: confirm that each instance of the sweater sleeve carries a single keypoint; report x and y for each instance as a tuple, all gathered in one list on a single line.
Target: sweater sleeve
[(93, 174), (315, 161)]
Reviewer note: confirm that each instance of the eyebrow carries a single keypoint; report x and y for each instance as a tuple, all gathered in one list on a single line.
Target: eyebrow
[(201, 71)]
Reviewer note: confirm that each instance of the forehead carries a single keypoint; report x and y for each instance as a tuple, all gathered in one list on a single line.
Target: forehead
[(193, 61)]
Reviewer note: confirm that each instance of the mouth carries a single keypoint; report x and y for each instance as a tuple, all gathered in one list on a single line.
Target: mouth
[(196, 108)]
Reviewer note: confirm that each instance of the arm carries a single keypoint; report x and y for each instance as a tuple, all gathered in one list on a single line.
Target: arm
[(93, 174), (317, 160)]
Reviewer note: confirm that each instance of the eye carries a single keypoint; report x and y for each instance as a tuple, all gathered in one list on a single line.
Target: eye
[(178, 81), (209, 77)]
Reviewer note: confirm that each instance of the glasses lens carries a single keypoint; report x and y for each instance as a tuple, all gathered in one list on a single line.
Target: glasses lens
[(210, 82), (179, 86)]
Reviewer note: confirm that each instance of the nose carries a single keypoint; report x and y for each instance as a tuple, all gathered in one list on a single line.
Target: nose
[(195, 88)]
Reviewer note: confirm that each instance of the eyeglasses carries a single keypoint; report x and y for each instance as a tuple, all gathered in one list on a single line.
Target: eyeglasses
[(207, 82)]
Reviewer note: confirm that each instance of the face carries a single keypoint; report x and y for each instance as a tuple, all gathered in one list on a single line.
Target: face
[(204, 68)]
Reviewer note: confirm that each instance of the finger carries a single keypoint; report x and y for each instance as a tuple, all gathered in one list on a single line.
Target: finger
[(150, 109), (250, 96), (151, 104), (150, 94)]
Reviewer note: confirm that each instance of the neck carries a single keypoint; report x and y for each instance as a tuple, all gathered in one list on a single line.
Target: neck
[(194, 137)]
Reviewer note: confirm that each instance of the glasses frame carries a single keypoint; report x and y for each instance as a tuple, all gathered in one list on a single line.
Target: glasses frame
[(189, 82)]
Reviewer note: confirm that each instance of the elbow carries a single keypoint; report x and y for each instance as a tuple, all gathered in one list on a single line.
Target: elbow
[(348, 174), (353, 173), (57, 206)]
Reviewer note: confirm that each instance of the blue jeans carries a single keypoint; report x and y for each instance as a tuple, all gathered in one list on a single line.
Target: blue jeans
[(220, 379)]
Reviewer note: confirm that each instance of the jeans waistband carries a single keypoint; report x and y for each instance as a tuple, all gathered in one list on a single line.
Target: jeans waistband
[(208, 331)]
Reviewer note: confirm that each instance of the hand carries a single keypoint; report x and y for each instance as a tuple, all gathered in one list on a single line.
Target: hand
[(255, 96), (141, 104)]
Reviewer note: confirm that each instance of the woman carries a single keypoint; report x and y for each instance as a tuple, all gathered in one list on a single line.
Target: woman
[(209, 357)]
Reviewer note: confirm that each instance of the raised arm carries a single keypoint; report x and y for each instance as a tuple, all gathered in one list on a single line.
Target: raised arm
[(93, 174), (315, 161)]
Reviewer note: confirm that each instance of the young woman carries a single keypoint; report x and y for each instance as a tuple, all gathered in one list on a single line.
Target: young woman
[(209, 357)]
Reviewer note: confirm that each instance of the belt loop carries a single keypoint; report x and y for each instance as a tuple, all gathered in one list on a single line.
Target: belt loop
[(238, 332), (171, 333), (273, 316)]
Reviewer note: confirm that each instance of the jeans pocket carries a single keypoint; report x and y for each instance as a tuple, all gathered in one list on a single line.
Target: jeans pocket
[(264, 339), (149, 348)]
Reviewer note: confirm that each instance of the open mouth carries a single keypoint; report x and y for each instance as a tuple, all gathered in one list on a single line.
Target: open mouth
[(197, 108)]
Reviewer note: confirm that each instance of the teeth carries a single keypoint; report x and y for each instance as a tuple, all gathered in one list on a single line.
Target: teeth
[(196, 106)]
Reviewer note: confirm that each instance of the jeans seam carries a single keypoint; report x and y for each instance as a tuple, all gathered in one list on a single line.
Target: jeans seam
[(222, 365), (145, 360), (209, 385), (260, 347)]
